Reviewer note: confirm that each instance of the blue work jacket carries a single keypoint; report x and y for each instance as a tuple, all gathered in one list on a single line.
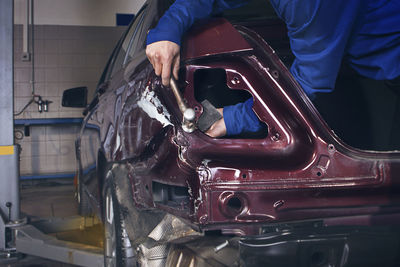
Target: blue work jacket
[(366, 33)]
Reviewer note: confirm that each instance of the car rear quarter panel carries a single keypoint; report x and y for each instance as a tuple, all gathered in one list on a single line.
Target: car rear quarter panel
[(301, 170)]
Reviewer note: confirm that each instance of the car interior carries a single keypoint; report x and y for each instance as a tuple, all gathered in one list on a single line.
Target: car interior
[(362, 112), (211, 85)]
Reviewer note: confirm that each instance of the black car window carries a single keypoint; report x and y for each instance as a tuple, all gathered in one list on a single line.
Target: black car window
[(122, 51), (154, 11), (121, 58), (133, 45)]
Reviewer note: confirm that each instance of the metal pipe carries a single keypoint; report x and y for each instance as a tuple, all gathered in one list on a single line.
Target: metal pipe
[(32, 47), (221, 246), (25, 35), (29, 50)]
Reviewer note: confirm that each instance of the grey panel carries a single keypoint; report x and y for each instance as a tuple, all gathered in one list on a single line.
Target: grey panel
[(9, 184), (9, 177), (6, 72)]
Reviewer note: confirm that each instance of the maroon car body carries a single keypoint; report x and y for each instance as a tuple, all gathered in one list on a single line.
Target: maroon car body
[(297, 171)]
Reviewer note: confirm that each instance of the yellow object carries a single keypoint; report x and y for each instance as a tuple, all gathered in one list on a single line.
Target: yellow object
[(6, 150)]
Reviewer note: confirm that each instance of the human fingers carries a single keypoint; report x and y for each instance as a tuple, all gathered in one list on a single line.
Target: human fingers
[(157, 64), (150, 55), (153, 54), (166, 72), (218, 129), (175, 66), (164, 55)]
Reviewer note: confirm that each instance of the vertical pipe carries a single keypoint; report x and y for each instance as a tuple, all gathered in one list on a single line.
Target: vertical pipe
[(25, 34), (32, 47), (14, 186)]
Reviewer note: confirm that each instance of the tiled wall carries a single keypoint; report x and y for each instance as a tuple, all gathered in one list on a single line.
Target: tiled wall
[(65, 57), (48, 150)]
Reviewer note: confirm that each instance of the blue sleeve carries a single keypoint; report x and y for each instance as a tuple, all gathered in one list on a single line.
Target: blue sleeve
[(241, 118), (319, 31), (182, 14)]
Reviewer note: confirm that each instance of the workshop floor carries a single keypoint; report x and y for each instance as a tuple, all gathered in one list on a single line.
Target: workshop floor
[(48, 199)]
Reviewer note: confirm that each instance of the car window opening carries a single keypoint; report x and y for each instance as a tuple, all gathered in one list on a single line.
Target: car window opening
[(364, 113), (129, 43), (211, 85)]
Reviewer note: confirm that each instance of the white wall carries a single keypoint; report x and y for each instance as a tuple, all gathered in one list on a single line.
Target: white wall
[(76, 12)]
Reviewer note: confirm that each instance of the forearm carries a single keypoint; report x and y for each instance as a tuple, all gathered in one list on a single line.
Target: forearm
[(178, 18), (181, 16), (241, 118)]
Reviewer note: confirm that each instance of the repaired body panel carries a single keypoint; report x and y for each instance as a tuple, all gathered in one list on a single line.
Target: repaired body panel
[(299, 171)]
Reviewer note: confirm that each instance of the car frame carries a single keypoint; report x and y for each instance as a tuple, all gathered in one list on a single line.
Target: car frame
[(295, 195)]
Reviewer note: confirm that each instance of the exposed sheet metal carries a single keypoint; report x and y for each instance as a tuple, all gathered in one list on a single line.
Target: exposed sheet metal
[(150, 104)]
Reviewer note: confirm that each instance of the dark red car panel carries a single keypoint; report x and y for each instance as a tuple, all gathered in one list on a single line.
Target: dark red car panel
[(299, 171), (216, 37), (293, 194)]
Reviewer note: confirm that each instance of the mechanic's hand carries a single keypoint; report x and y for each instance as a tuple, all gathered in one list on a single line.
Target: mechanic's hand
[(164, 56), (218, 129)]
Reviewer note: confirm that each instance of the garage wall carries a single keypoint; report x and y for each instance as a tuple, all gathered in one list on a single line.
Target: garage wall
[(76, 12), (65, 56), (47, 151)]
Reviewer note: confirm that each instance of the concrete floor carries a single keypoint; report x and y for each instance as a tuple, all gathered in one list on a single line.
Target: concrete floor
[(50, 199)]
